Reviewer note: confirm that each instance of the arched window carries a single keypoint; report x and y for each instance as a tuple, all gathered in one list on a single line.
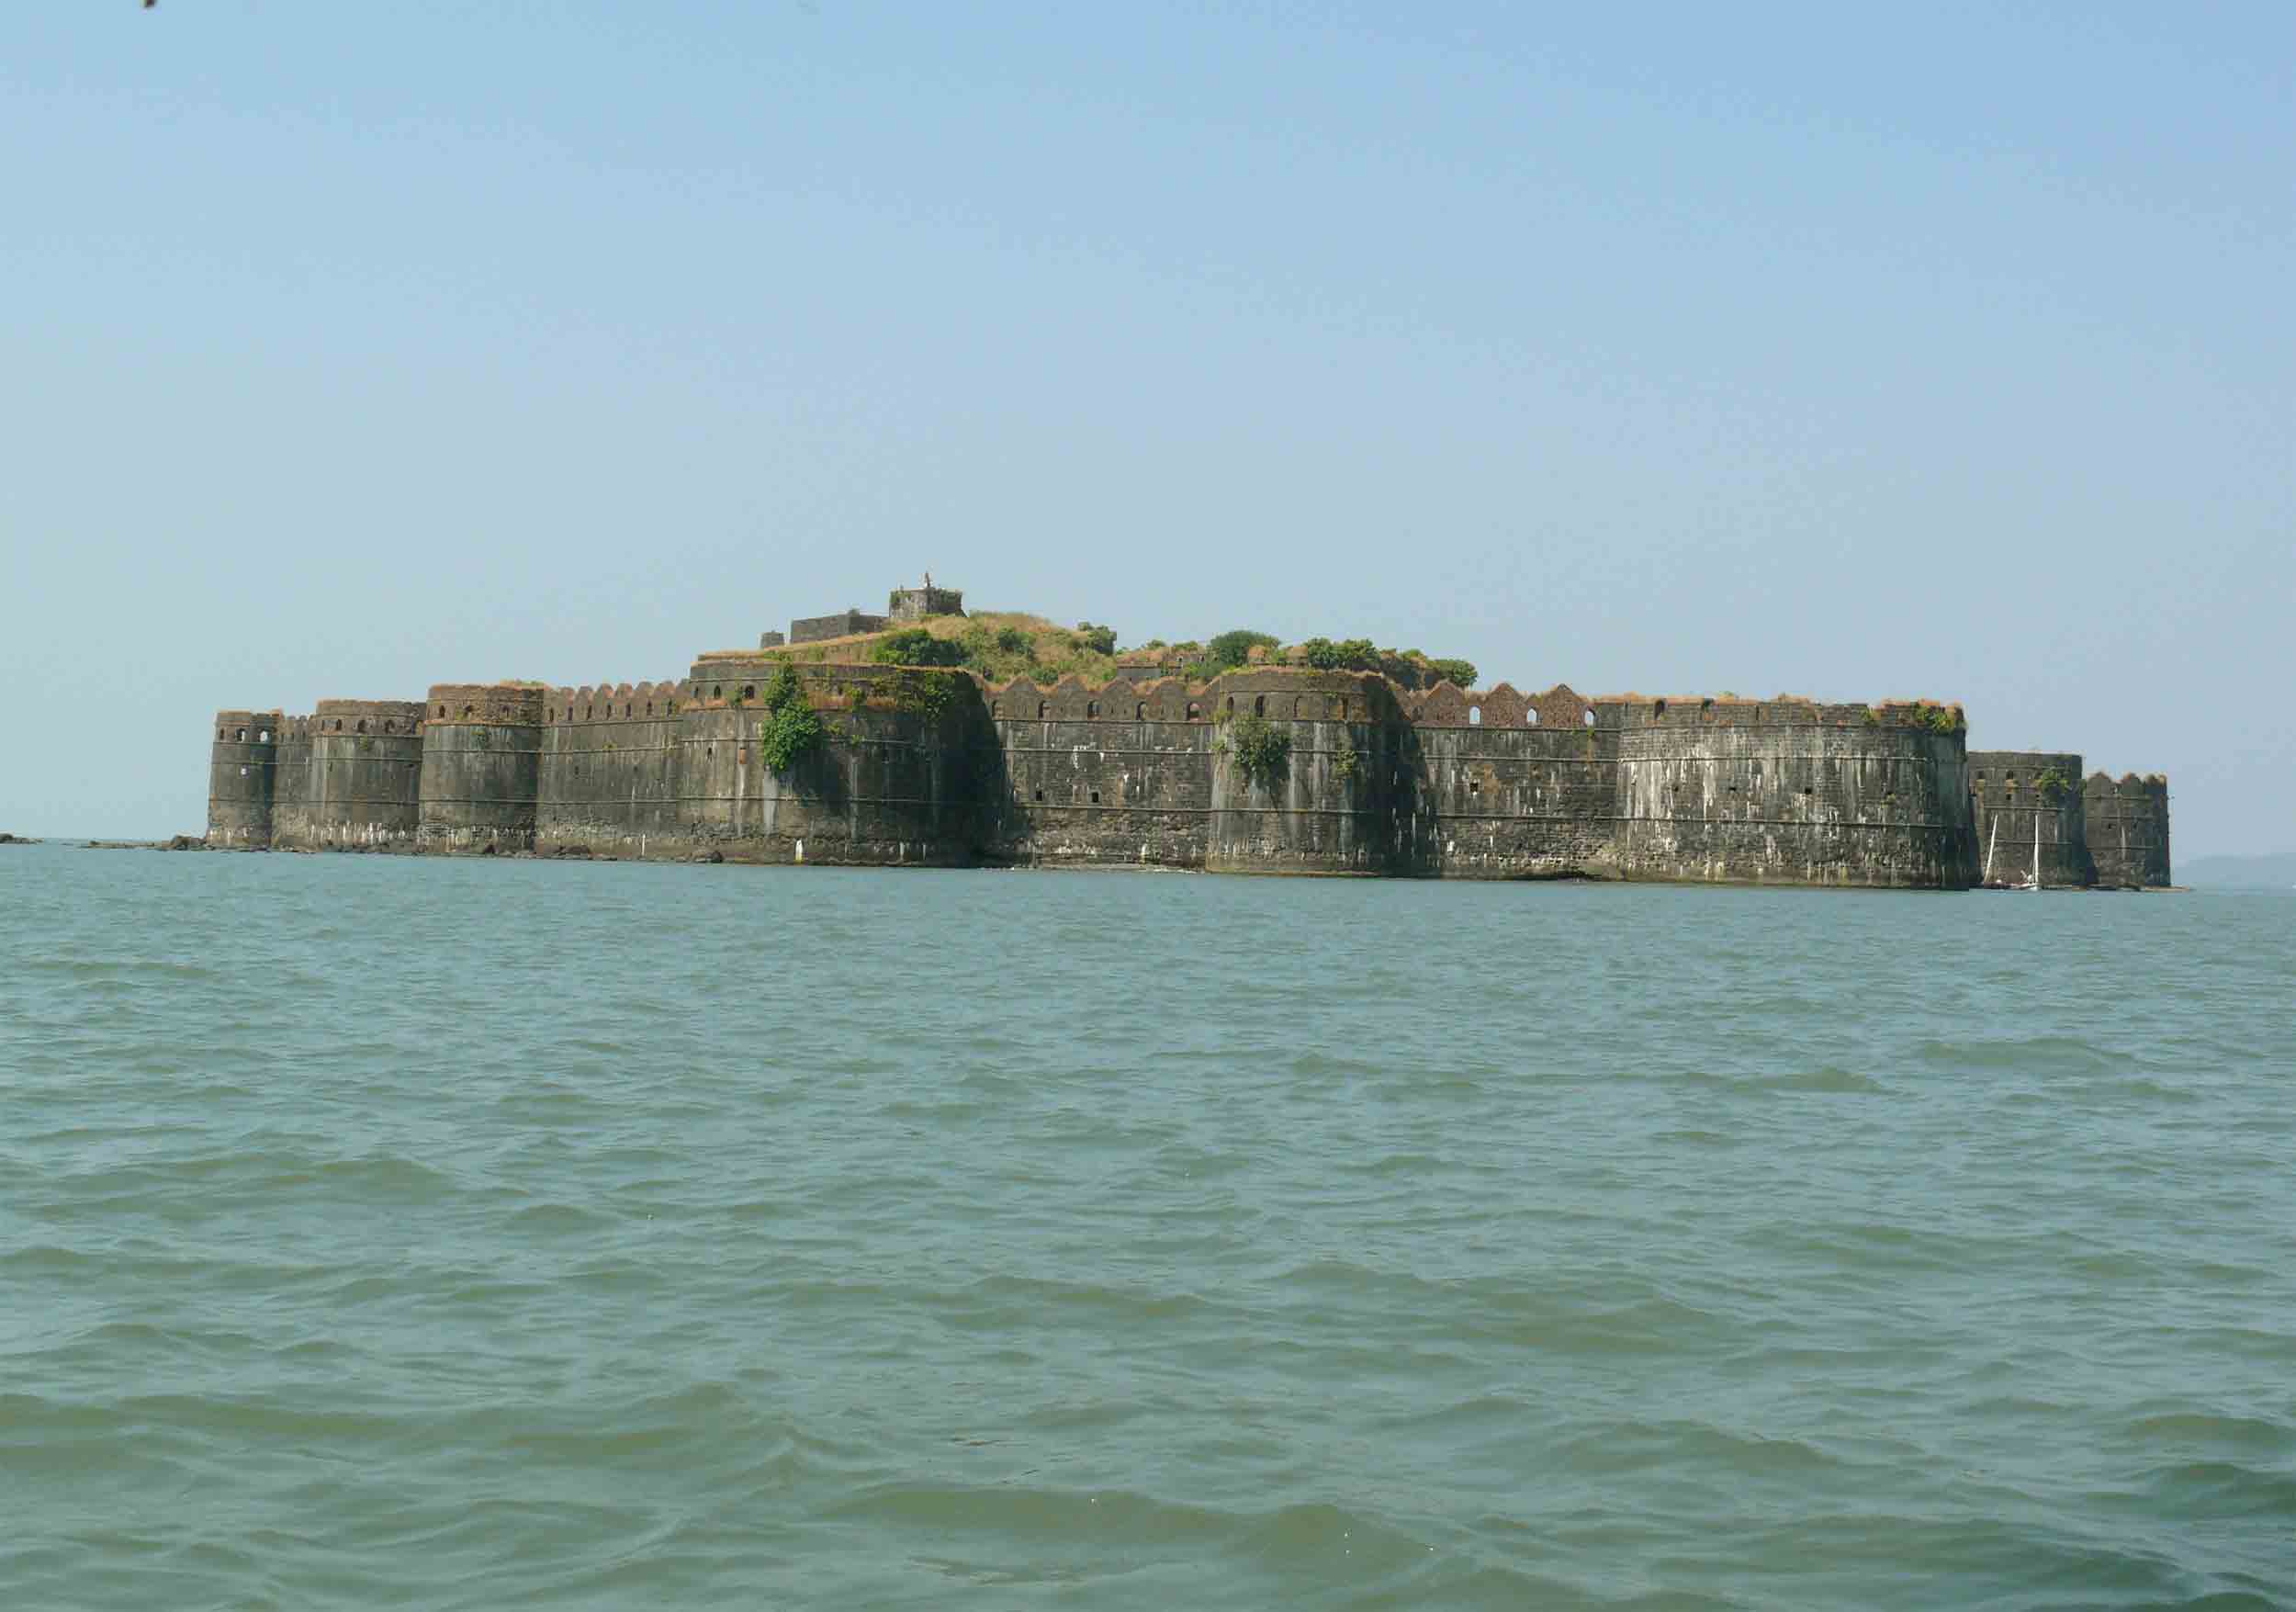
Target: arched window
[(1195, 711), (390, 725), (589, 712), (1474, 715), (1043, 713), (1299, 704), (467, 710), (717, 690), (551, 714), (1530, 717), (241, 736), (1259, 706), (749, 690), (1339, 707), (442, 710), (1658, 707), (1139, 711), (1092, 708), (219, 734), (362, 725), (649, 707), (1590, 715), (995, 710), (1231, 706)]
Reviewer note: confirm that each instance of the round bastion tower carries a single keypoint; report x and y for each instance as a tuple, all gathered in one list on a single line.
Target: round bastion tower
[(364, 779), (481, 766), (242, 772)]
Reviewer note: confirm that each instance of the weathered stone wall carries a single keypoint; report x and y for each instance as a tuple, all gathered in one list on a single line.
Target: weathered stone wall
[(482, 767), (937, 767), (908, 604), (812, 629), (241, 776), (2127, 829), (895, 780), (1502, 784), (1832, 799), (2030, 811), (291, 791), (356, 782), (1143, 774), (610, 779)]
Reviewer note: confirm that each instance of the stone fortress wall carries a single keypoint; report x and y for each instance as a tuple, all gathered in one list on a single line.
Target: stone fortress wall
[(941, 768)]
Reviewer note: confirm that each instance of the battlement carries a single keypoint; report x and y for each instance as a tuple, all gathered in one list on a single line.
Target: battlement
[(367, 717), (249, 726), (621, 701), (502, 704)]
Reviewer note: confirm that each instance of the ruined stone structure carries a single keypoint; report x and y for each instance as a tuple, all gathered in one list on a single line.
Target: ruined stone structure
[(2034, 811), (2127, 824), (845, 624), (1267, 769), (914, 605)]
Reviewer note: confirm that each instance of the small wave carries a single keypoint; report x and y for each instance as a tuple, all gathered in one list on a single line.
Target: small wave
[(1826, 1077), (2038, 1054)]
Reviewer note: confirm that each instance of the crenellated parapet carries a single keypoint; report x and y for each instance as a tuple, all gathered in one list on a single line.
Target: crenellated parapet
[(350, 777), (480, 784)]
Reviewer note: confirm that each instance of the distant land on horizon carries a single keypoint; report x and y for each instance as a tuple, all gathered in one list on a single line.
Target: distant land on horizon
[(2274, 871)]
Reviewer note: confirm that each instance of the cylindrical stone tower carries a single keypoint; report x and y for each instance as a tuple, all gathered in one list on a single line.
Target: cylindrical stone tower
[(2127, 829), (481, 764), (2031, 817), (364, 773), (240, 779)]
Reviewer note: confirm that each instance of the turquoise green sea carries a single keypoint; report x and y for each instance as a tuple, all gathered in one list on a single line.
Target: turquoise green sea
[(387, 1232)]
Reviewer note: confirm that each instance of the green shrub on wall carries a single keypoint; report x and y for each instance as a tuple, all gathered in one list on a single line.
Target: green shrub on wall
[(791, 728), (1260, 750)]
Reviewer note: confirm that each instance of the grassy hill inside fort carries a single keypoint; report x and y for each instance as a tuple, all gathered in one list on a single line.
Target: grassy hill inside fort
[(1003, 645)]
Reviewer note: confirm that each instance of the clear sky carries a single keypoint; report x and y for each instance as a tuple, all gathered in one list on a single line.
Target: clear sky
[(1852, 351)]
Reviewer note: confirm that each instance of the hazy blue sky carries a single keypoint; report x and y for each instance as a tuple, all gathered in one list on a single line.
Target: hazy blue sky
[(1844, 350)]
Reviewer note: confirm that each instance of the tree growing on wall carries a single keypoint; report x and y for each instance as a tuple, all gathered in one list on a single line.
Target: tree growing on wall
[(1261, 751), (791, 729)]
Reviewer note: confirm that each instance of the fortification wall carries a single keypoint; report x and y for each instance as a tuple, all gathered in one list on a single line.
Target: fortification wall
[(1146, 774), (291, 791), (1347, 776), (894, 781), (812, 629), (354, 780), (482, 767), (611, 780), (1790, 792), (241, 779), (1503, 784), (2030, 811), (2127, 823)]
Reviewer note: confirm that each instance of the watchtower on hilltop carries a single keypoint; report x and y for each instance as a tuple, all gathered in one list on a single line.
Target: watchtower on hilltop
[(916, 604)]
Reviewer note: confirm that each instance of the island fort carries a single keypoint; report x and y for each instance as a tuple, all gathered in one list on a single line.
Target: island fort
[(923, 737)]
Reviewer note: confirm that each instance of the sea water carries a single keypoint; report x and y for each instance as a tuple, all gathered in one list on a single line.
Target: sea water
[(385, 1232)]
